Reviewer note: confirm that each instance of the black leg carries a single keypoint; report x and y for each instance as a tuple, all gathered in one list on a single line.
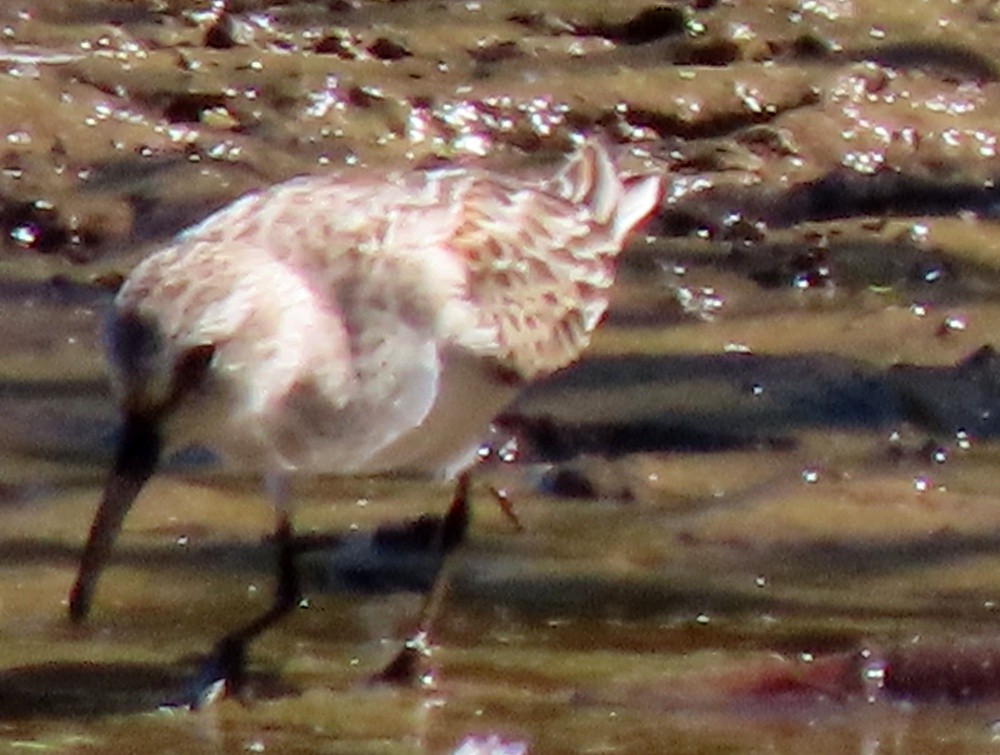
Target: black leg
[(406, 667), (224, 672)]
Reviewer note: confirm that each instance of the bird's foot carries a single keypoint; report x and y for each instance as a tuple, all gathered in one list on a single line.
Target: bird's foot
[(221, 674), (409, 667)]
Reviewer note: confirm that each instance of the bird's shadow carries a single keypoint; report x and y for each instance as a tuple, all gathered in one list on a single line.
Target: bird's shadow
[(64, 689)]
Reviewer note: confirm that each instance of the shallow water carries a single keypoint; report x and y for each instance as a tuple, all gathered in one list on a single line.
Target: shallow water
[(707, 576), (760, 516)]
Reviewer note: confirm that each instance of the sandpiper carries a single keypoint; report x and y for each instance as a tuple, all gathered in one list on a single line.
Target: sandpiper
[(358, 323)]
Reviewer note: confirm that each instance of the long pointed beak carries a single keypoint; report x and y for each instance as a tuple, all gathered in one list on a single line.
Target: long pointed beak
[(135, 461)]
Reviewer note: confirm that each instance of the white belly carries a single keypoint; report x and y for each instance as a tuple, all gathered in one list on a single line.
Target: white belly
[(433, 424), (470, 395)]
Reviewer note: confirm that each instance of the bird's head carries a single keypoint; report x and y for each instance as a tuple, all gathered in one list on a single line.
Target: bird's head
[(151, 374)]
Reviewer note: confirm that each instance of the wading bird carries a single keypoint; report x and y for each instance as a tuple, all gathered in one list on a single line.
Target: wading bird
[(357, 324)]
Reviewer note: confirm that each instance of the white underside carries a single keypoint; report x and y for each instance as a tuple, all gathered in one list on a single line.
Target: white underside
[(306, 435)]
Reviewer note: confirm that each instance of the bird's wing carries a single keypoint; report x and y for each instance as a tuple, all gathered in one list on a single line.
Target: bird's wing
[(528, 286), (515, 270), (541, 257)]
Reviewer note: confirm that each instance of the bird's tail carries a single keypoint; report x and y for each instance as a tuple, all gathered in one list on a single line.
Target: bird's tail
[(591, 178)]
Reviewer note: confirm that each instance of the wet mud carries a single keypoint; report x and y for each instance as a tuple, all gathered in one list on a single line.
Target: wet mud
[(761, 515)]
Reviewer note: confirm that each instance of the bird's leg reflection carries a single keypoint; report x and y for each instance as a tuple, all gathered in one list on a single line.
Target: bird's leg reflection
[(405, 667)]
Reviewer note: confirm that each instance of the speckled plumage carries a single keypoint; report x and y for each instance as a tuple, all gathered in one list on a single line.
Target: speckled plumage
[(362, 322)]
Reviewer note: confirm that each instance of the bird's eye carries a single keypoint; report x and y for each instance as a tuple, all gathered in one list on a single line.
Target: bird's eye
[(190, 369)]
